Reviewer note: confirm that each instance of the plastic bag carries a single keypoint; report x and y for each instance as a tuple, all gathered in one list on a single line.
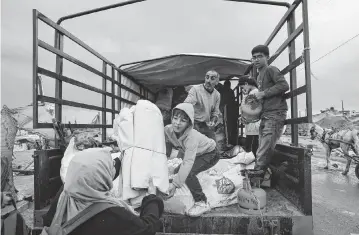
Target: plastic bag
[(70, 152)]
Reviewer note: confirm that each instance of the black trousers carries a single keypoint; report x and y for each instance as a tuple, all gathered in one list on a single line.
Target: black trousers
[(252, 142), (202, 163)]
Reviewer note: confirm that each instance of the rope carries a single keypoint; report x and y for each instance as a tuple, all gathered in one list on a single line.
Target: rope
[(142, 148)]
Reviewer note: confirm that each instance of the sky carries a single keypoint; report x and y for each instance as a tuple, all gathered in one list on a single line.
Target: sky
[(158, 28)]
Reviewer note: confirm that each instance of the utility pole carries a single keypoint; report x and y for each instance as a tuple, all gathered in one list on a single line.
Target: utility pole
[(342, 107)]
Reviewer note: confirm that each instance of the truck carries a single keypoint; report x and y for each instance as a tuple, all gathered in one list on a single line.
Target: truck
[(289, 206)]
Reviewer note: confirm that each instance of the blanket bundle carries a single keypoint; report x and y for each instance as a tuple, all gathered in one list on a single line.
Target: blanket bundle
[(139, 132)]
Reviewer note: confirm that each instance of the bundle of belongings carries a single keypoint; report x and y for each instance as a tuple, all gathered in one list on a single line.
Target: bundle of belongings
[(139, 132), (220, 183)]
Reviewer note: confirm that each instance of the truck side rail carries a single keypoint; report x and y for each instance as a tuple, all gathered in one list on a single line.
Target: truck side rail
[(124, 89)]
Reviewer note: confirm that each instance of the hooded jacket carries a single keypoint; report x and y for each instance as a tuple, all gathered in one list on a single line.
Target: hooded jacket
[(192, 143)]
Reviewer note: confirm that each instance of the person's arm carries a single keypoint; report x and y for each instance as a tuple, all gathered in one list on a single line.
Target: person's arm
[(280, 84), (187, 163), (215, 110), (148, 223), (191, 97)]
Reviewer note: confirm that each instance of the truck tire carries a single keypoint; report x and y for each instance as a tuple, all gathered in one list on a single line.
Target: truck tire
[(357, 171)]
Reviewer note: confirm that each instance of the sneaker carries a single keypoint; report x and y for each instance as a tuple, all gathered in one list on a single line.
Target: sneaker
[(199, 208)]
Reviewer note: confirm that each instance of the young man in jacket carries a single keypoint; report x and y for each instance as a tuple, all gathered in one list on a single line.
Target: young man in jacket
[(199, 153), (272, 87)]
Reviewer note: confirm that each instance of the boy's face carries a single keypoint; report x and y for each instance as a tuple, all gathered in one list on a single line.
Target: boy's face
[(245, 88), (180, 123), (259, 60)]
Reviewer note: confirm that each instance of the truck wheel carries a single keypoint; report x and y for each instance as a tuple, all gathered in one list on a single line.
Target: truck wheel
[(357, 171)]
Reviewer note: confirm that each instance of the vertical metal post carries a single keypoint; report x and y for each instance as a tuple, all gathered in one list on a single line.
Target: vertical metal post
[(119, 79), (34, 68), (307, 60), (293, 80), (59, 44), (113, 101), (104, 85)]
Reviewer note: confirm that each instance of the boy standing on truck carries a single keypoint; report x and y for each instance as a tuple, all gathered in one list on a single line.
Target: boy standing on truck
[(272, 87), (199, 153), (205, 100)]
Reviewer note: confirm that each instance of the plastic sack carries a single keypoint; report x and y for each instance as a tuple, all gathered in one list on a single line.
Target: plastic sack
[(225, 186), (180, 203), (245, 158), (70, 152)]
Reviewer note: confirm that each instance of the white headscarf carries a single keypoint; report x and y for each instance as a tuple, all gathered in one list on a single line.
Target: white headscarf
[(89, 179)]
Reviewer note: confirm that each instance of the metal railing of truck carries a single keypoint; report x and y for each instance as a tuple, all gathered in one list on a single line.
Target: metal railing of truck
[(119, 77)]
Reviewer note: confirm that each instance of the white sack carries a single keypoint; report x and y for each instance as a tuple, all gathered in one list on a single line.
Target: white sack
[(70, 152)]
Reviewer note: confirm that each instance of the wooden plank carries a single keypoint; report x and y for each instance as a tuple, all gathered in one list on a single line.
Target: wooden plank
[(63, 31), (75, 126), (296, 92), (104, 88), (293, 79), (297, 120), (80, 84), (307, 60), (59, 45), (293, 179), (46, 46), (46, 169), (35, 60), (285, 44), (292, 66), (282, 22), (113, 103), (305, 174), (72, 103)]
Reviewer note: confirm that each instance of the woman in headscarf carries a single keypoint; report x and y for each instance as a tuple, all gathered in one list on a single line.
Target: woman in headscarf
[(88, 181)]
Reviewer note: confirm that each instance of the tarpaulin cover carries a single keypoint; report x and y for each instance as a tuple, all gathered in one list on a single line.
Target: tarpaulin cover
[(183, 69)]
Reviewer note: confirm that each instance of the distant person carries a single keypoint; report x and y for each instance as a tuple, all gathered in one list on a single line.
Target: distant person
[(199, 153), (272, 87), (229, 108), (164, 103), (227, 95), (179, 95), (88, 182), (205, 100), (250, 87)]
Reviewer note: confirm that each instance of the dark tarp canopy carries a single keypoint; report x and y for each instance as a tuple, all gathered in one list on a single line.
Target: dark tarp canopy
[(183, 69)]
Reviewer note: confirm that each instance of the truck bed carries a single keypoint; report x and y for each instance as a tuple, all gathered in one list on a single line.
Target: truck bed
[(222, 220)]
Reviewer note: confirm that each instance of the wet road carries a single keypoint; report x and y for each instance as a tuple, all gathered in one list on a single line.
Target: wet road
[(335, 199)]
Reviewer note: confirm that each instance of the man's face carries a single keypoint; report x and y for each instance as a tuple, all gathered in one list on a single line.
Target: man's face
[(259, 60), (211, 80)]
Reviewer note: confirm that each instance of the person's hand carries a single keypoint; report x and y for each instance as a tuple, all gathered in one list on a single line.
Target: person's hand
[(211, 124), (6, 198), (171, 190), (259, 95), (151, 188)]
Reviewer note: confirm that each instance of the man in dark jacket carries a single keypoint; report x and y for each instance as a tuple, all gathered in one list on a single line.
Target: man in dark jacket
[(229, 109), (272, 87)]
